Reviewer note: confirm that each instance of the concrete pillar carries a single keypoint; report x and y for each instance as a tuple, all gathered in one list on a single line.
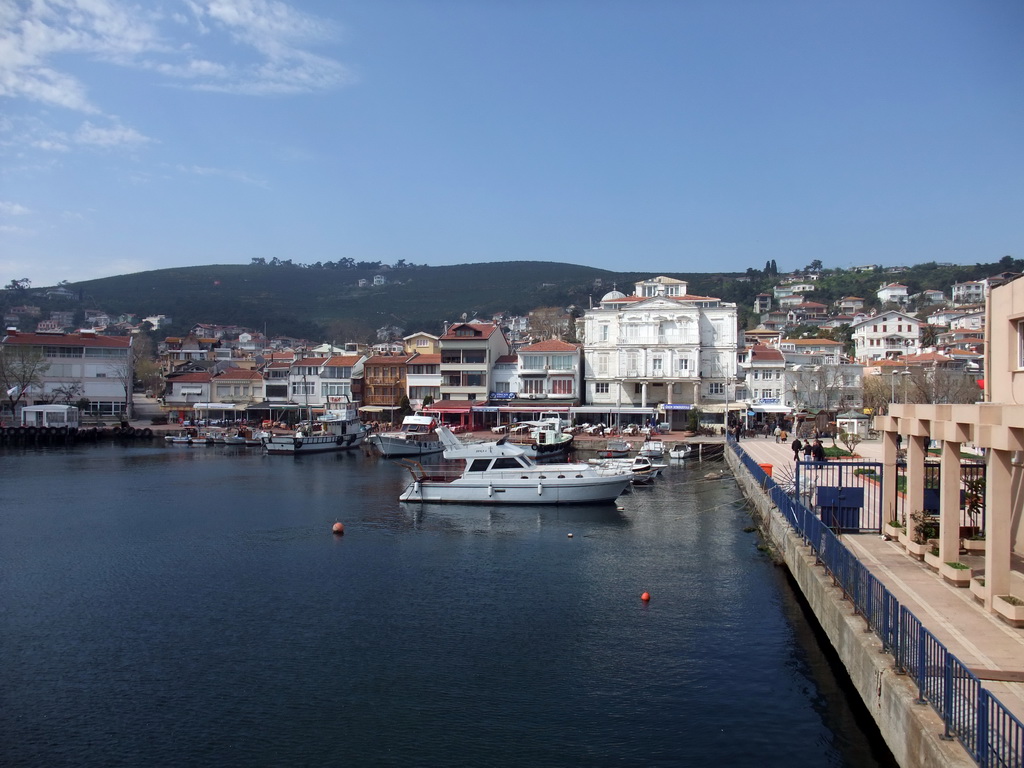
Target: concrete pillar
[(949, 502), (998, 524), (889, 509), (915, 477), (643, 395)]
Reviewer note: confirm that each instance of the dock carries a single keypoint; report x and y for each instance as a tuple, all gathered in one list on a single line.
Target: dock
[(986, 646)]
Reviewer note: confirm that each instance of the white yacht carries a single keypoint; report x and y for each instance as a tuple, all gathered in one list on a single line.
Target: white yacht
[(499, 472)]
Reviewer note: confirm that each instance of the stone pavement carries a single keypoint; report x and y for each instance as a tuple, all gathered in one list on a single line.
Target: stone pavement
[(982, 641)]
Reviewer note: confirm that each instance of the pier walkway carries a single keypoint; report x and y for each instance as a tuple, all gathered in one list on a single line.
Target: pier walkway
[(993, 650)]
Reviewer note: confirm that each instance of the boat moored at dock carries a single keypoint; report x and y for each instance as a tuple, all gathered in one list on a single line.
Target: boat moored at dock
[(339, 429), (416, 438), (499, 472)]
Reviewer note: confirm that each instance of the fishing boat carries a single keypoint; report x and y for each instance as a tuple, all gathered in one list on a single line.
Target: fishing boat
[(415, 438), (542, 440), (338, 429), (499, 472)]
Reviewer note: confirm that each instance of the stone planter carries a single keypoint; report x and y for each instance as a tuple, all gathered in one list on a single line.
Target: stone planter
[(894, 532), (932, 561), (1011, 614), (904, 537), (917, 550), (978, 589), (974, 545), (958, 577)]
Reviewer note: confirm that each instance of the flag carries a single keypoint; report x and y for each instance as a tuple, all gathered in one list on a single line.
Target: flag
[(13, 391)]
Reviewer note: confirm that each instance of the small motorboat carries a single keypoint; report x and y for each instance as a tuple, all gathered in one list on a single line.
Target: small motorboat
[(680, 451), (615, 449)]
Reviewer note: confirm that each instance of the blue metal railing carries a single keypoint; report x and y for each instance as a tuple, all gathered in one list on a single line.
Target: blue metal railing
[(990, 733)]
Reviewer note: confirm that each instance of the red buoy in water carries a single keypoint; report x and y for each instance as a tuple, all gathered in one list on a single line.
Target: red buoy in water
[(646, 597), (339, 529)]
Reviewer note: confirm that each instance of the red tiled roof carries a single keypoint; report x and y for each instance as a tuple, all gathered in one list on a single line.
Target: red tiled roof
[(339, 360), (67, 340), (197, 376), (551, 345), (484, 331), (387, 360), (760, 353), (508, 359), (239, 373), (432, 359)]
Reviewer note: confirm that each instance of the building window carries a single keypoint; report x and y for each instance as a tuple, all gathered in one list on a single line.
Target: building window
[(716, 388), (601, 388), (603, 332), (533, 386), (561, 386)]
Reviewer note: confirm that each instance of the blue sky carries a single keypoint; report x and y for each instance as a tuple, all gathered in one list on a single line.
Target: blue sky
[(682, 136)]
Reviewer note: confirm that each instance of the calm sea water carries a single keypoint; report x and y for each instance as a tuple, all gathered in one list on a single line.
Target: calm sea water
[(189, 606)]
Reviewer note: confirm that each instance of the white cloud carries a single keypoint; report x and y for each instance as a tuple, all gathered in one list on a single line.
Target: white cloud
[(13, 209), (41, 36), (116, 135), (198, 170)]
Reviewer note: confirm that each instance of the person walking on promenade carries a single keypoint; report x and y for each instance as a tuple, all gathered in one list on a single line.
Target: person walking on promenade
[(778, 433), (797, 445), (818, 451)]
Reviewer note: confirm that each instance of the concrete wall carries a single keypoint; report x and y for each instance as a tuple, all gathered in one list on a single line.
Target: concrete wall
[(912, 731)]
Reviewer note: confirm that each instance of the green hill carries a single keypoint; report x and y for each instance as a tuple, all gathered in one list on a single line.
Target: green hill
[(325, 302)]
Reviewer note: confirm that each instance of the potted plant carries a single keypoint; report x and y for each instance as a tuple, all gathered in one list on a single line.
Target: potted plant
[(893, 529), (975, 543), (978, 588), (917, 542), (956, 573), (931, 557), (1010, 608)]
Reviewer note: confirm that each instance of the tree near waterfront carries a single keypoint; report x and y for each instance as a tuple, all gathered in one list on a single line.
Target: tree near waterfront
[(21, 368)]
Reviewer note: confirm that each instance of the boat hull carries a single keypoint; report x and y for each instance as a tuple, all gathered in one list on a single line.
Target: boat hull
[(394, 446), (533, 490), (291, 445)]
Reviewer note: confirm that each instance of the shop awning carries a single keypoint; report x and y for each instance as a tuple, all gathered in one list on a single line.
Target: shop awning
[(771, 408), (623, 410), (216, 407)]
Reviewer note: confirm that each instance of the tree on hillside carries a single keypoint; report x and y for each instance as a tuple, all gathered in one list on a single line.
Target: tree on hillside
[(19, 286), (550, 323), (21, 368)]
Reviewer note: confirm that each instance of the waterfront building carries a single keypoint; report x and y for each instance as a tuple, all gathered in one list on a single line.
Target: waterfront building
[(888, 334), (550, 371), (469, 352), (184, 391), (238, 387), (423, 378), (74, 366), (384, 386), (661, 348)]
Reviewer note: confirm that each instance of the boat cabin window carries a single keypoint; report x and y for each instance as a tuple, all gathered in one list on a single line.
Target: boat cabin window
[(479, 465), (507, 462)]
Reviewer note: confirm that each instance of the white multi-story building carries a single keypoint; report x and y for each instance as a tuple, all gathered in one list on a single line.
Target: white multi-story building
[(889, 334), (549, 370), (661, 346), (969, 292), (468, 354), (75, 366), (893, 293)]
